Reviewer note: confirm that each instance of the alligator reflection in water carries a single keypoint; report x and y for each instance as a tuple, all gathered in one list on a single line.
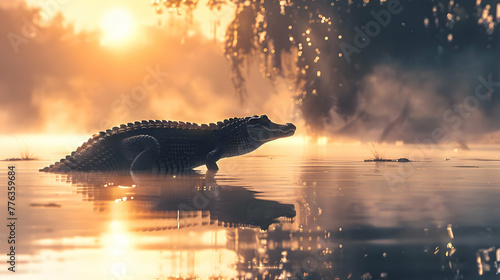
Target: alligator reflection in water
[(196, 222), (162, 204), (182, 196)]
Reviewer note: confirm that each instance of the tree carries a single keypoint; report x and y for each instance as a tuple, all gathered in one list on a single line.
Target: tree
[(327, 47)]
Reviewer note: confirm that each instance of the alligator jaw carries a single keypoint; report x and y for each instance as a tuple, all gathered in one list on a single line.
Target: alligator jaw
[(285, 130)]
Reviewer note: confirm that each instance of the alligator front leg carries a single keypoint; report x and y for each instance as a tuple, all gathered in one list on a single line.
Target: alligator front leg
[(213, 157), (142, 150)]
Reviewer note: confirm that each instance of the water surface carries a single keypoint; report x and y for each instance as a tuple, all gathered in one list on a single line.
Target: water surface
[(279, 213)]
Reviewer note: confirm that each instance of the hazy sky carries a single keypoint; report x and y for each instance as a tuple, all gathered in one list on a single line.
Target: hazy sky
[(89, 15), (58, 80)]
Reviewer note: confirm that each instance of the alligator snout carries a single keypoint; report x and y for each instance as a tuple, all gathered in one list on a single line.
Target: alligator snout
[(289, 127)]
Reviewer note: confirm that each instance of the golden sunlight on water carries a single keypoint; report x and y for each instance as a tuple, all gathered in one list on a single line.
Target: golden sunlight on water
[(288, 209)]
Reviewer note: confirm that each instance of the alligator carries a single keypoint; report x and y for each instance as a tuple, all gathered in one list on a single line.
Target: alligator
[(170, 146)]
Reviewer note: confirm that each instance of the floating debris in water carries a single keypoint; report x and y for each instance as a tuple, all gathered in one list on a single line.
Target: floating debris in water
[(54, 205), (379, 159), (388, 160), (18, 159)]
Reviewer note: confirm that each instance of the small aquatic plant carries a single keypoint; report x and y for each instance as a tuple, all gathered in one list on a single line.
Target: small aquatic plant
[(25, 153), (377, 155)]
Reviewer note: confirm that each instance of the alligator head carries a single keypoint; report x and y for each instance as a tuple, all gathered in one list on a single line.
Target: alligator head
[(248, 134), (262, 129)]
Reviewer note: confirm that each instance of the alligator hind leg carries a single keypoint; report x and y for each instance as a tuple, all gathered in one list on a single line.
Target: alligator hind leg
[(142, 150)]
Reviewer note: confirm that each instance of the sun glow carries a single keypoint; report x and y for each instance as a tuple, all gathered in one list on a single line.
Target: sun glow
[(117, 26)]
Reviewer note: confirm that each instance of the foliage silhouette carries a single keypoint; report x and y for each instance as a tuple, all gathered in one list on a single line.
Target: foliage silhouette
[(301, 40)]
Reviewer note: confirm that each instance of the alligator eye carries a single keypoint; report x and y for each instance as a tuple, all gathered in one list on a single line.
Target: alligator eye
[(255, 118), (264, 117)]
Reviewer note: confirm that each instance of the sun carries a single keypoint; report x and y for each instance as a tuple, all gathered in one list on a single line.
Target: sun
[(116, 26)]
